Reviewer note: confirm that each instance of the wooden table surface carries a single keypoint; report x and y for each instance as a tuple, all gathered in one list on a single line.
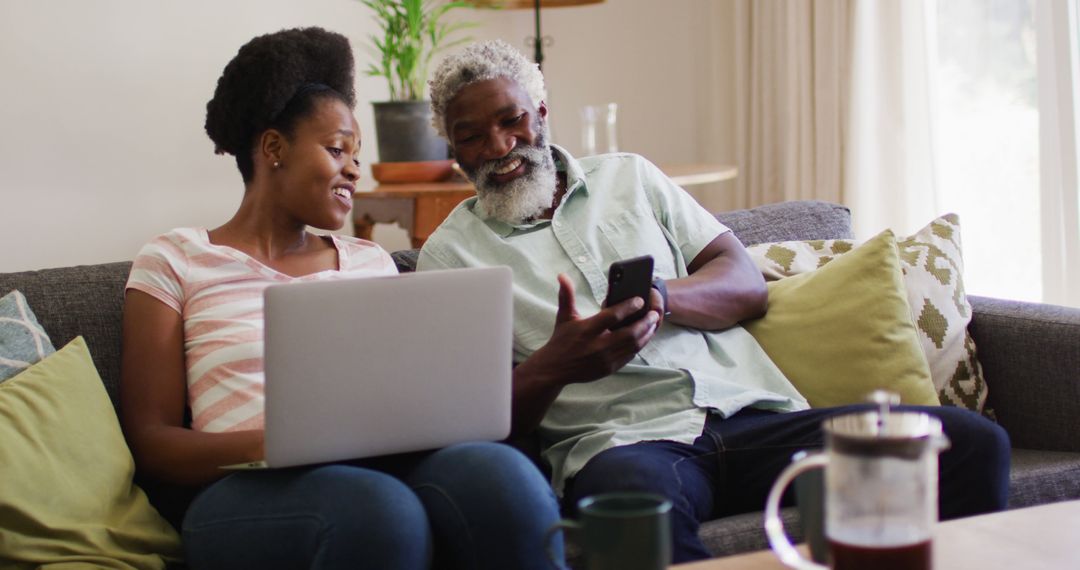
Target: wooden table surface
[(419, 208), (1046, 537)]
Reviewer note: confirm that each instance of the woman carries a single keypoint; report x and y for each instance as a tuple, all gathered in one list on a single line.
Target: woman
[(193, 340)]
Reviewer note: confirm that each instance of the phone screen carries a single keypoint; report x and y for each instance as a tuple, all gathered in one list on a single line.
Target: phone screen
[(627, 279)]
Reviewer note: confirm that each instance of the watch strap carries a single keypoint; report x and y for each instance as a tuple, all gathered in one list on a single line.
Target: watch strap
[(661, 286)]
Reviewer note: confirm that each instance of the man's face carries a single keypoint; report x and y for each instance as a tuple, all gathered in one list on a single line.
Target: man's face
[(500, 140)]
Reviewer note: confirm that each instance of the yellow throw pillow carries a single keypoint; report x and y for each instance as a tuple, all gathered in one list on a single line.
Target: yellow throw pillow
[(933, 269), (844, 330), (66, 490)]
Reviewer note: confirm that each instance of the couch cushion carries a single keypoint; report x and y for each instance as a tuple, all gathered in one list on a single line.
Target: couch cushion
[(1030, 354), (933, 280), (85, 301), (800, 219), (405, 259), (67, 493), (842, 331), (1039, 477), (22, 340), (746, 532)]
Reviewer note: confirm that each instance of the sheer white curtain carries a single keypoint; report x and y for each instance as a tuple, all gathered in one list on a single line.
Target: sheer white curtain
[(890, 176), (855, 101), (1058, 25), (834, 104)]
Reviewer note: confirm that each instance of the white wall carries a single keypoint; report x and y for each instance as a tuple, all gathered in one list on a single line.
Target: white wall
[(102, 105)]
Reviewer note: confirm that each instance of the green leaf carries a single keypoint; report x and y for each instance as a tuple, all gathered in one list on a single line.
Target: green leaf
[(413, 31)]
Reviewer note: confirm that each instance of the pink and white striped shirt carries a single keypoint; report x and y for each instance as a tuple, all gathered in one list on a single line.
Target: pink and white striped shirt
[(218, 291)]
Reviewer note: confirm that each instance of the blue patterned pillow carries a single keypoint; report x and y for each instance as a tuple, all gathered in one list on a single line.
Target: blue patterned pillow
[(22, 340)]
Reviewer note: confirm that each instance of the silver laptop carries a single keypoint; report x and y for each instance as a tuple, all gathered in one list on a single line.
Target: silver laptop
[(366, 367)]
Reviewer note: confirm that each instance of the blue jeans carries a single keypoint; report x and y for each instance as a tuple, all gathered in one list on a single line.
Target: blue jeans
[(731, 466), (472, 505)]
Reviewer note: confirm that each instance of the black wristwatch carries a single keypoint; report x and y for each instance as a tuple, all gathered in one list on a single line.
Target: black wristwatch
[(659, 285)]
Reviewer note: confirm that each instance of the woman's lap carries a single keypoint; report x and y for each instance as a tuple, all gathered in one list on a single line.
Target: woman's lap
[(473, 505)]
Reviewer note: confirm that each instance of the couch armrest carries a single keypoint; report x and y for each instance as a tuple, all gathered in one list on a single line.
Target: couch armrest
[(1030, 355)]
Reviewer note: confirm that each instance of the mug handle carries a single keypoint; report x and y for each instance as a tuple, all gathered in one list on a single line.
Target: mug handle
[(563, 524), (774, 527)]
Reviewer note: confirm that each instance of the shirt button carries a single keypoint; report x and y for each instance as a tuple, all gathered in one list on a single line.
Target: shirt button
[(582, 259)]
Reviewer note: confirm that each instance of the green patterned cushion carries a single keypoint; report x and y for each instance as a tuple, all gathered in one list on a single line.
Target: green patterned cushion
[(842, 332), (22, 340), (933, 267)]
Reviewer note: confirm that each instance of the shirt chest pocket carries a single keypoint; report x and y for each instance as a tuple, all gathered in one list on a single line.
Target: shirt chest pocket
[(635, 232)]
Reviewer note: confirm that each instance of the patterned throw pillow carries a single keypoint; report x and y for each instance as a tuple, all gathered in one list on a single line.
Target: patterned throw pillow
[(842, 332), (933, 267), (22, 340)]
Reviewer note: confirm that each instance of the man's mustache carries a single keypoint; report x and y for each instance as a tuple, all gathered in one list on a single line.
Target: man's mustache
[(529, 154)]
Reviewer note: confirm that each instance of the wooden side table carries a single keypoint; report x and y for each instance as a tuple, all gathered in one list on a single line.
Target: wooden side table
[(419, 208)]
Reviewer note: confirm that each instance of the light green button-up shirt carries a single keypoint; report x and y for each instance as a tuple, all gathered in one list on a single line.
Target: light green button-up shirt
[(616, 206)]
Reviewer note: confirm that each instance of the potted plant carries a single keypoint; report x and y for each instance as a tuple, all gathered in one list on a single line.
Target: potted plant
[(413, 31)]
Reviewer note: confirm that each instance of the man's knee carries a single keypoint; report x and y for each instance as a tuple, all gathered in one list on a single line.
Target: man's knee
[(625, 468), (972, 435)]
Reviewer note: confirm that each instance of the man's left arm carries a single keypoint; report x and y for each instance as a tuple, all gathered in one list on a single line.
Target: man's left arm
[(723, 288)]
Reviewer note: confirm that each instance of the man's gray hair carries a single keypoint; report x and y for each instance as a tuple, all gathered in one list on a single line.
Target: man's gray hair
[(479, 62)]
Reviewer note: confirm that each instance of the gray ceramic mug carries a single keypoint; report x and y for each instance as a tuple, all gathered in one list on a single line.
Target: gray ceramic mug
[(620, 531), (810, 498)]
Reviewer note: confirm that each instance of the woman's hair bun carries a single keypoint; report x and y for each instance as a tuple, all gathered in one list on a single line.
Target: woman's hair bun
[(264, 76)]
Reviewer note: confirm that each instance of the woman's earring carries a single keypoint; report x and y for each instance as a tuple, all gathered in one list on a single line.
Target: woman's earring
[(277, 164)]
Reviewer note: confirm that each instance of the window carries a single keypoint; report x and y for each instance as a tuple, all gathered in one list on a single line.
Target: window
[(1006, 132)]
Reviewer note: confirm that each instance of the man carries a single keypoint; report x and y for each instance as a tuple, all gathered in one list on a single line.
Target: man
[(683, 402)]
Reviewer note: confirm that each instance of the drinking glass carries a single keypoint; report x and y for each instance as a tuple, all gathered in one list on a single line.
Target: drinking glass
[(599, 128)]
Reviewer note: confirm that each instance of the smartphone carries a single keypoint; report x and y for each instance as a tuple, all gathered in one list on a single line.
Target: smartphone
[(627, 279)]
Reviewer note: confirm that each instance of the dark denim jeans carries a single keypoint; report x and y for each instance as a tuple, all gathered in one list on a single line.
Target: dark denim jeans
[(473, 505), (731, 466)]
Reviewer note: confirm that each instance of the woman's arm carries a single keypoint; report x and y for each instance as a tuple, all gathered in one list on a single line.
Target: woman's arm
[(153, 395)]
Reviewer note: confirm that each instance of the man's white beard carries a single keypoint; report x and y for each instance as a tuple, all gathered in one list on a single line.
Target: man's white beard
[(522, 198)]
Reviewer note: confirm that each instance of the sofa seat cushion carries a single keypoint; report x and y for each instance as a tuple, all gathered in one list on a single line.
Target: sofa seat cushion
[(746, 532), (1039, 477)]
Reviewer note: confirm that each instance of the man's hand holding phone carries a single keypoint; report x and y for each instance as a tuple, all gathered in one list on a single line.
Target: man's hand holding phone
[(630, 278), (581, 349)]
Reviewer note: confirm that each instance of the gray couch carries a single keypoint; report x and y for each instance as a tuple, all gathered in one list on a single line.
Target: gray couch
[(1030, 355)]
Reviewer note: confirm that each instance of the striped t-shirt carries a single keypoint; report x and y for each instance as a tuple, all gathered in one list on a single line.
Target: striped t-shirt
[(218, 291)]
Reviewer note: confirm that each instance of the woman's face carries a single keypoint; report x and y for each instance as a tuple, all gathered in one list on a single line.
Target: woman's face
[(319, 165)]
